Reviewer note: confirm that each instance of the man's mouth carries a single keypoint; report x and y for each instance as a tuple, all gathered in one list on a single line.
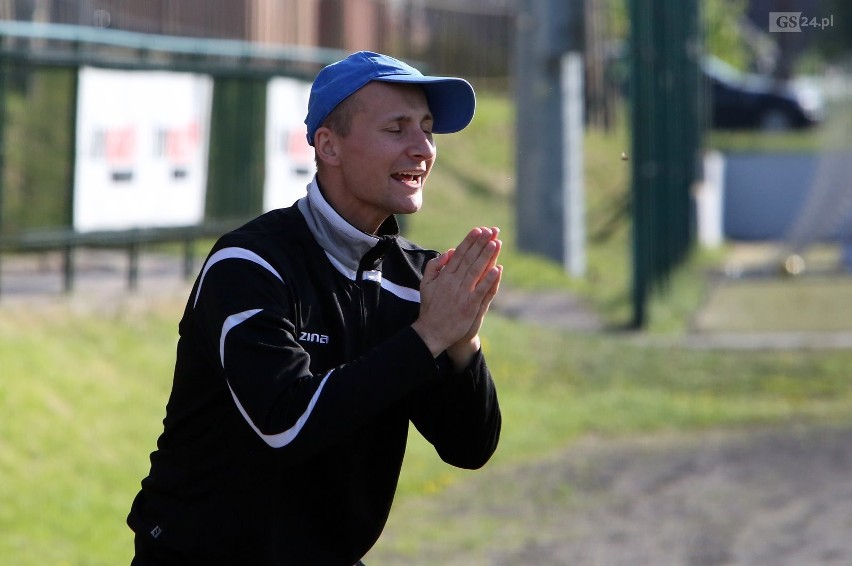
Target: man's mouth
[(408, 177)]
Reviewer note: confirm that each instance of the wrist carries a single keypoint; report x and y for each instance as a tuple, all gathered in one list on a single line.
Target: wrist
[(434, 344), (463, 351)]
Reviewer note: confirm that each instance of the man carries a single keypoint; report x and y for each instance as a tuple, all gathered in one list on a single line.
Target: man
[(314, 334)]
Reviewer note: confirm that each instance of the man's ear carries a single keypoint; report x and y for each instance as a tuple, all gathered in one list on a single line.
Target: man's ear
[(326, 147)]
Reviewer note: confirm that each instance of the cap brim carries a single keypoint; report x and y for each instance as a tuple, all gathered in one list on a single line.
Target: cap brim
[(451, 100)]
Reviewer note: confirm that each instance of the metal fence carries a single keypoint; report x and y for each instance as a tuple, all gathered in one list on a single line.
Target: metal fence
[(667, 121), (38, 83), (37, 86), (240, 43), (38, 66)]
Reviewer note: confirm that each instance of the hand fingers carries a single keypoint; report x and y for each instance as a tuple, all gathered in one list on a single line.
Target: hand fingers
[(481, 265), (492, 278), (479, 257), (495, 286), (496, 254), (485, 289), (435, 265), (472, 243), (462, 249), (449, 253), (490, 283)]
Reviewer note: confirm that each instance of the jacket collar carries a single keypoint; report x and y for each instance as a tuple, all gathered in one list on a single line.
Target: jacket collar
[(344, 244)]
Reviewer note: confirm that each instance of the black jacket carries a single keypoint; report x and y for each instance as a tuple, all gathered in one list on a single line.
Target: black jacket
[(297, 374)]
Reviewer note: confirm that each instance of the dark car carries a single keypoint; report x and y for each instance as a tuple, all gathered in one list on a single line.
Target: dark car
[(747, 101)]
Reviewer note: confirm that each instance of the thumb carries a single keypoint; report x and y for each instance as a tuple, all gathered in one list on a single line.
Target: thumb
[(435, 265)]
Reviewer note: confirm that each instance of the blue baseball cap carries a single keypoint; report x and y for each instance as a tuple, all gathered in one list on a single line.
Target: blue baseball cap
[(451, 100)]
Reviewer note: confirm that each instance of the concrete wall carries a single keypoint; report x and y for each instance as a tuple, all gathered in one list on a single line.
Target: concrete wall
[(786, 195)]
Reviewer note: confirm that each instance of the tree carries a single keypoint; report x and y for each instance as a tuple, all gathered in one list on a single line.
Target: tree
[(723, 20), (835, 42)]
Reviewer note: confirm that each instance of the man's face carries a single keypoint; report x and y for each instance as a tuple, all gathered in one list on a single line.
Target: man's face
[(389, 152)]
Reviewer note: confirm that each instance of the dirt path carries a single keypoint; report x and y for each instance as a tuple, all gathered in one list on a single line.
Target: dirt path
[(776, 497)]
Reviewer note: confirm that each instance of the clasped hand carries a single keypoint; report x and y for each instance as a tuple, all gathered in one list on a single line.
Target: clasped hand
[(455, 294)]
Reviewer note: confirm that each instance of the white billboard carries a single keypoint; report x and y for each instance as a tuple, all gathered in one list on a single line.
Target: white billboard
[(142, 141), (289, 158)]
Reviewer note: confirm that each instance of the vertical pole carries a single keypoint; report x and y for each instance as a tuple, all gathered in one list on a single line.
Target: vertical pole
[(133, 263), (68, 266), (538, 198), (237, 148), (2, 147), (666, 132), (547, 30), (188, 256), (642, 65), (68, 251), (72, 124), (573, 201)]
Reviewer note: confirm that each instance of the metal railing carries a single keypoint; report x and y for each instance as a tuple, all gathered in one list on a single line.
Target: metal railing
[(68, 241), (237, 67), (69, 45)]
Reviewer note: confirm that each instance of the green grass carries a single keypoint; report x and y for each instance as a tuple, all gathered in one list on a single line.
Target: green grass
[(82, 398), (784, 304), (806, 141), (556, 387), (82, 394)]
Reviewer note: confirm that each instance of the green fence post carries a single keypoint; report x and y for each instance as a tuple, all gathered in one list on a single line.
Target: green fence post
[(2, 152), (133, 264), (666, 120), (237, 157), (188, 257), (68, 267), (641, 105)]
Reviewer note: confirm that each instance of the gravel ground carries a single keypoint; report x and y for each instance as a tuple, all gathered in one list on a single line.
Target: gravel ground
[(770, 497)]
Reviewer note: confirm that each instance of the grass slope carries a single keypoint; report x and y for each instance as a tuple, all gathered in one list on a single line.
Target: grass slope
[(82, 398)]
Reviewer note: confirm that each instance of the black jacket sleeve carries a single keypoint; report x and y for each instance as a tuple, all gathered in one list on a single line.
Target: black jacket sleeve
[(460, 415)]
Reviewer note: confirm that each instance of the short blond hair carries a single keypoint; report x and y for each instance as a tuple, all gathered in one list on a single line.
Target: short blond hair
[(339, 120)]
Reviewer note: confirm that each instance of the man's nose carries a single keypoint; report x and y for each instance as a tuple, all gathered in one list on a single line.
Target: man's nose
[(422, 146)]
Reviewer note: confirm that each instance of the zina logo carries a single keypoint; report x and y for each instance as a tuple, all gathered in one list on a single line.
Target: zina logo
[(313, 337)]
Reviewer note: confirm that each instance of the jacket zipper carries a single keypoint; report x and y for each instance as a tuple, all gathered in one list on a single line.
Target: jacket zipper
[(370, 279), (369, 275)]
